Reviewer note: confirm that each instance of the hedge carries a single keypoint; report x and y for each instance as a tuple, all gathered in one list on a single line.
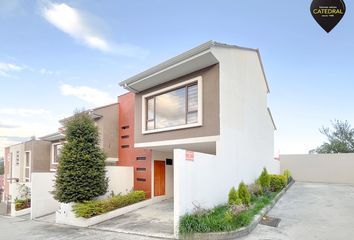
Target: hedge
[(93, 208)]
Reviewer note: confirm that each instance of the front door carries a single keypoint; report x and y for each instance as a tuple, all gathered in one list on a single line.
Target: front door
[(159, 178)]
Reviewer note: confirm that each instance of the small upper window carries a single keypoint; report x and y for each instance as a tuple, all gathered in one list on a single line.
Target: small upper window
[(56, 152), (173, 108)]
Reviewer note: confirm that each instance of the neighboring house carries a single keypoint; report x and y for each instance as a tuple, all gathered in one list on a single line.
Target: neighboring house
[(2, 187), (20, 161), (106, 118), (210, 100)]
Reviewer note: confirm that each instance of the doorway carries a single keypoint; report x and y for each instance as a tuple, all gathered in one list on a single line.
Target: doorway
[(159, 178)]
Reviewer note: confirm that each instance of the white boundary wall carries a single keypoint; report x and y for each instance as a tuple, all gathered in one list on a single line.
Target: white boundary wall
[(121, 179), (42, 201), (196, 182), (326, 168)]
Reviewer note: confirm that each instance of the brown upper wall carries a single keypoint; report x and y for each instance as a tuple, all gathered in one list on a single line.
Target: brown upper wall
[(108, 129), (211, 122), (40, 155)]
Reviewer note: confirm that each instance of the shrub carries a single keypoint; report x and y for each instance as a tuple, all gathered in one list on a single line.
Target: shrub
[(277, 182), (81, 170), (255, 190), (287, 176), (234, 198), (244, 194), (22, 204), (93, 208), (264, 180)]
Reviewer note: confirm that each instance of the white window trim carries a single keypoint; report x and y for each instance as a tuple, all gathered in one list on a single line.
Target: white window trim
[(175, 86), (29, 167), (52, 155)]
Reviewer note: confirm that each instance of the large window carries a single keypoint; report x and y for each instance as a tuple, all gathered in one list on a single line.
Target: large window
[(173, 108)]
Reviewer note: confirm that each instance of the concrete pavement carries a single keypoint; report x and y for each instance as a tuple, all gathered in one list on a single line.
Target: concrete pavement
[(311, 211)]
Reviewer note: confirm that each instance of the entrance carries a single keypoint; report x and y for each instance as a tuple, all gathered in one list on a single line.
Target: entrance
[(159, 178)]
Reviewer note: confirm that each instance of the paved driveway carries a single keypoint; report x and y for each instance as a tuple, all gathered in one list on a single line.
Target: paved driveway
[(154, 220), (311, 211)]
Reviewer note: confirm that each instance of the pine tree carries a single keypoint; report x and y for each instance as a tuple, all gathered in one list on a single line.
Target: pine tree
[(81, 171)]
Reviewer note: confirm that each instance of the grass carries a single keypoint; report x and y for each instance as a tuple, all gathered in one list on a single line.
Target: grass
[(219, 219)]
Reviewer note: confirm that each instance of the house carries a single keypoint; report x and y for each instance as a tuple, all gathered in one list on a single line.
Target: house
[(2, 187), (106, 118), (21, 160), (204, 116)]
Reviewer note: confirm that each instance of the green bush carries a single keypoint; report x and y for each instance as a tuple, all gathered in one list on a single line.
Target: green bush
[(81, 170), (93, 208), (234, 198), (22, 204), (277, 182), (287, 175), (264, 180), (244, 194)]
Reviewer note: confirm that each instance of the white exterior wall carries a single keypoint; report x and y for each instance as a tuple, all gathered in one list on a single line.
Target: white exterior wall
[(157, 155), (121, 179), (246, 130), (197, 182), (42, 201), (326, 168), (17, 171)]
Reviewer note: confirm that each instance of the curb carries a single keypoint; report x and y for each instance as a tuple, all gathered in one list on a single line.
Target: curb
[(241, 232)]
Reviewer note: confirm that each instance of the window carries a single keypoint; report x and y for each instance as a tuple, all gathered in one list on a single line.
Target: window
[(56, 148), (125, 146), (140, 169), (125, 136), (141, 179), (175, 107), (27, 166), (140, 158)]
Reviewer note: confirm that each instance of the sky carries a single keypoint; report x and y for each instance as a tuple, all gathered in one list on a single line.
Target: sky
[(58, 56)]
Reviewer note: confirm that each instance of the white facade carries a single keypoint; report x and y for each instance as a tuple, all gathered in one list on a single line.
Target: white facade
[(120, 179), (246, 129)]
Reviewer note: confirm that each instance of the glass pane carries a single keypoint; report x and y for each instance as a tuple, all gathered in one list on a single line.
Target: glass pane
[(57, 152), (192, 98), (150, 109), (27, 173), (171, 108), (192, 117), (150, 125), (27, 159)]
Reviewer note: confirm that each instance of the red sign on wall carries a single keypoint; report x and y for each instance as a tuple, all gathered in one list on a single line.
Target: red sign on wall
[(189, 155)]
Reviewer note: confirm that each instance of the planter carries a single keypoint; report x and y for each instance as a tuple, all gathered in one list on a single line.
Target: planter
[(65, 214), (244, 230), (19, 213)]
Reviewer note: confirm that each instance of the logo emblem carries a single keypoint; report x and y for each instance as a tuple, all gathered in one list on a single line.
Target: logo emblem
[(327, 13)]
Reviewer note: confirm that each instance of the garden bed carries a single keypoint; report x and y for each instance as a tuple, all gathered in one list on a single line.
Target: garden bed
[(214, 225)]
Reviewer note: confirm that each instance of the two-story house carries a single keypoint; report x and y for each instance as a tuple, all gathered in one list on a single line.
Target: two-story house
[(212, 102), (20, 161)]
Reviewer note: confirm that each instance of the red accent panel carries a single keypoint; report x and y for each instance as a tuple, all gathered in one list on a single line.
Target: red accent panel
[(128, 155)]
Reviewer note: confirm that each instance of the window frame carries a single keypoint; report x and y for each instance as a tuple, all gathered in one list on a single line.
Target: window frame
[(53, 146), (146, 97), (27, 179)]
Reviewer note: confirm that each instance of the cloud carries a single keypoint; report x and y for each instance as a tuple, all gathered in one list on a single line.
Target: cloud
[(8, 125), (23, 112), (6, 68), (87, 94), (82, 27)]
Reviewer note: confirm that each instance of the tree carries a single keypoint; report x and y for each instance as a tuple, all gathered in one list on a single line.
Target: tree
[(340, 139), (81, 172), (1, 168)]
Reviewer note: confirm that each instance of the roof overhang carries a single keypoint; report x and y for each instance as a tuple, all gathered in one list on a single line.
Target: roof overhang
[(53, 137), (193, 60)]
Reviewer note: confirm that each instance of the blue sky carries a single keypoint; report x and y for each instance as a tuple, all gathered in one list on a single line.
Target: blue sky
[(56, 56)]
